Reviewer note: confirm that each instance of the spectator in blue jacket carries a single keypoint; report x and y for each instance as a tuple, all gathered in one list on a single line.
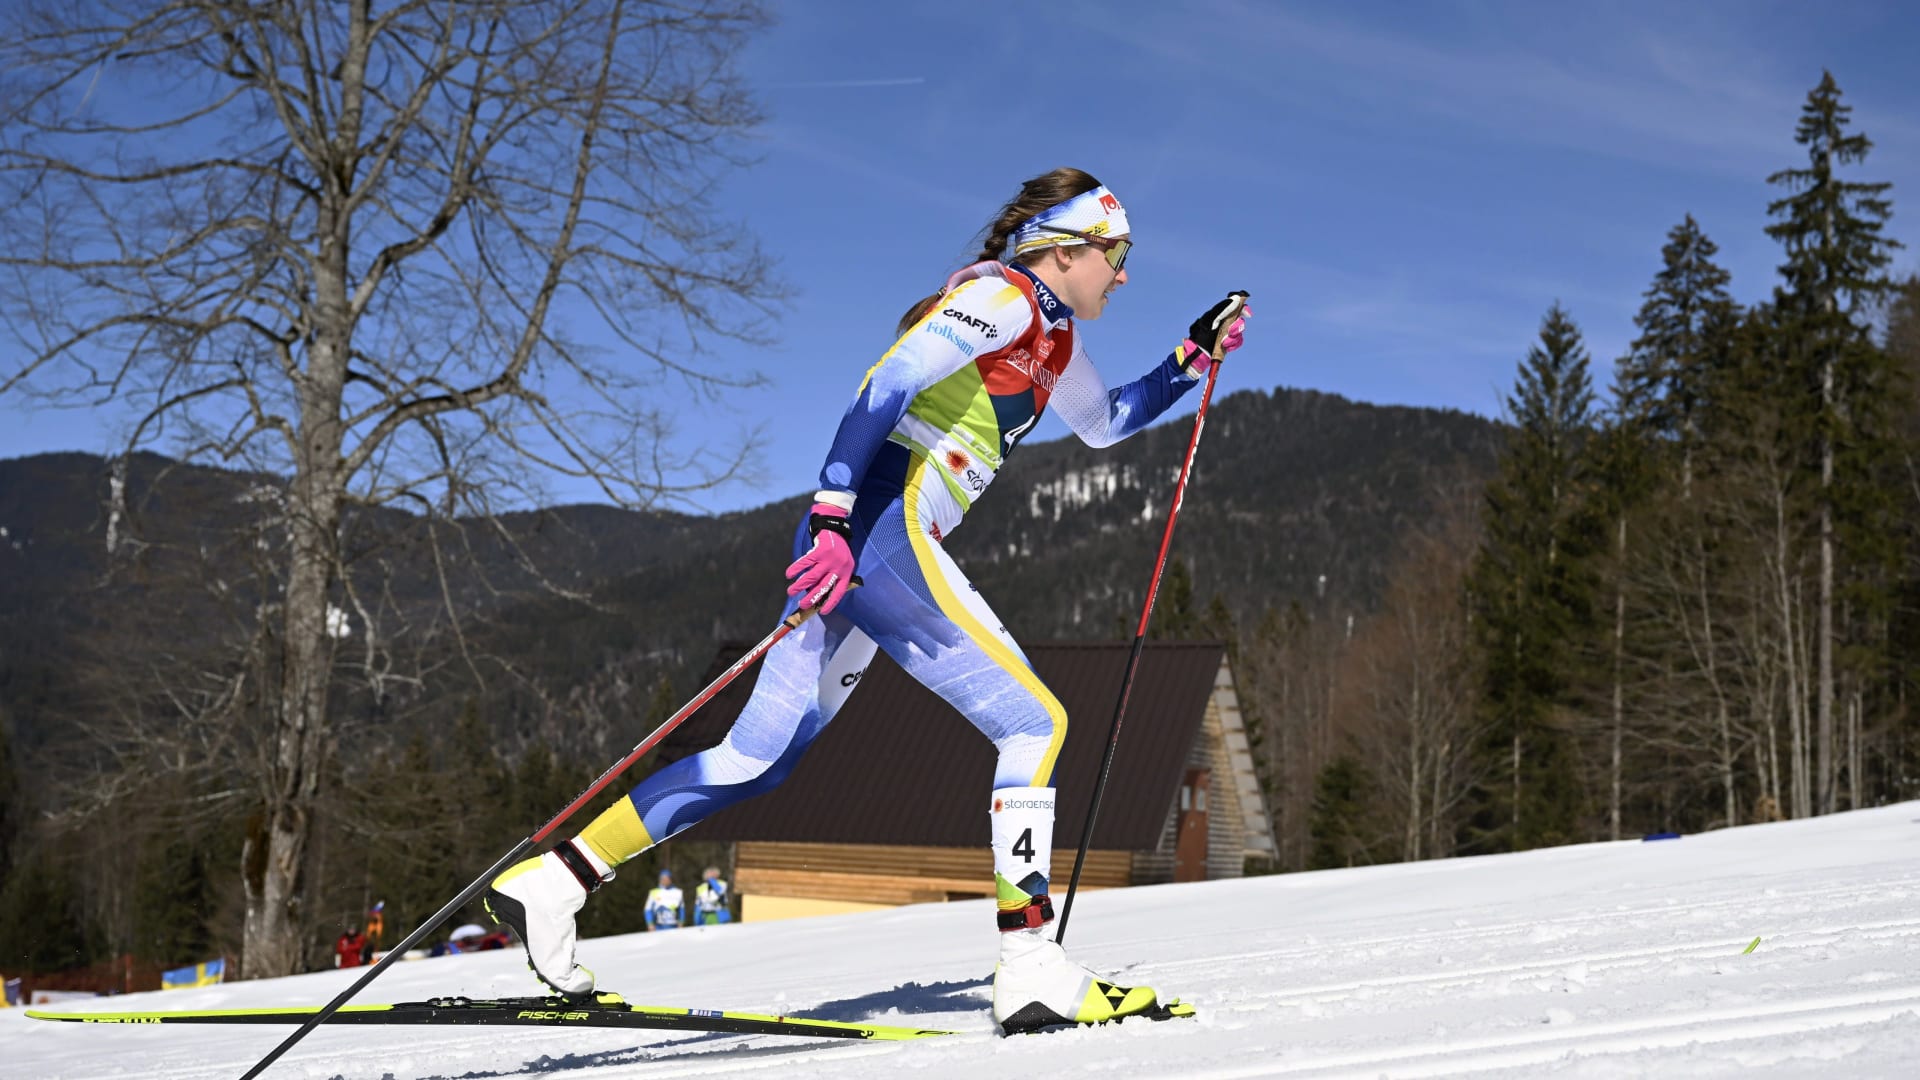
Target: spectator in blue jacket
[(666, 904)]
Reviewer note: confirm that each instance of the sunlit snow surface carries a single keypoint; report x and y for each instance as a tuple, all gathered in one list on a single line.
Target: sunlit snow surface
[(1603, 960)]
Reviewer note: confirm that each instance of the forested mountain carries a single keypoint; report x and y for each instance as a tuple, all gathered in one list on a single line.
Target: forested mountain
[(1295, 495)]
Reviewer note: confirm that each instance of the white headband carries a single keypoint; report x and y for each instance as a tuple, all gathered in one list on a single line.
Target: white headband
[(1096, 213)]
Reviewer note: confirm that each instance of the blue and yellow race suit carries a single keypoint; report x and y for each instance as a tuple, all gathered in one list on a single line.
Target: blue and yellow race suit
[(933, 423)]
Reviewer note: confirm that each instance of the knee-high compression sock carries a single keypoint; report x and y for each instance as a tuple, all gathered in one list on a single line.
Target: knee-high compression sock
[(1023, 855)]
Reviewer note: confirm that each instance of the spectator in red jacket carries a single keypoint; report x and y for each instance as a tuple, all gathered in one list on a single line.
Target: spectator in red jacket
[(350, 950)]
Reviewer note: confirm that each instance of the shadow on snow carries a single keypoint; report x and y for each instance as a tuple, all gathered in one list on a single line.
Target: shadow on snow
[(907, 999)]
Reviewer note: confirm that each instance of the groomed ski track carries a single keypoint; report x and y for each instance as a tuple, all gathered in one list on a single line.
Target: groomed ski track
[(1599, 960)]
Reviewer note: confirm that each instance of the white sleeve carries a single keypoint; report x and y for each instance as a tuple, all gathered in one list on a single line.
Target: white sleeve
[(1080, 398), (1102, 417)]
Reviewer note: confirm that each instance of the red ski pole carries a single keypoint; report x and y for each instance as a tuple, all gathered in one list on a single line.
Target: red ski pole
[(1146, 616), (520, 850)]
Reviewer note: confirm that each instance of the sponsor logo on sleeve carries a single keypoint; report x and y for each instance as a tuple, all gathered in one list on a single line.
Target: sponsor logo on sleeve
[(987, 329), (939, 329)]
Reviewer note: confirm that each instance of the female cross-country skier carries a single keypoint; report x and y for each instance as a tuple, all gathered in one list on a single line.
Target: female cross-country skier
[(973, 368)]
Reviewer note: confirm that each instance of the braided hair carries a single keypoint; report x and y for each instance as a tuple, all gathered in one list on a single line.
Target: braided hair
[(1036, 195)]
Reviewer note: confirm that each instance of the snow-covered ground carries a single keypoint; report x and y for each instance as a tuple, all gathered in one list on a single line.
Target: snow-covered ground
[(1603, 960)]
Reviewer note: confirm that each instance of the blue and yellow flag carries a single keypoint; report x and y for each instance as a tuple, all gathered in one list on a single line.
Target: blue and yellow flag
[(202, 974)]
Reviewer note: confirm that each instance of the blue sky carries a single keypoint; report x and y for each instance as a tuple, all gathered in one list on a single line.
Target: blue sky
[(1403, 187)]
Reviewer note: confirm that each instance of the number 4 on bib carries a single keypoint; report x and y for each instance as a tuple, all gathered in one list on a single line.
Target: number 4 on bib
[(1023, 847)]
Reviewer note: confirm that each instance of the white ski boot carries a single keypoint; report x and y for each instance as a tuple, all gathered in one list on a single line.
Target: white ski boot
[(1035, 986), (538, 899)]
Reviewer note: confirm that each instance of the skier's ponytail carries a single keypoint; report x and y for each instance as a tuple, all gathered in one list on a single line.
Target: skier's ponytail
[(1040, 193)]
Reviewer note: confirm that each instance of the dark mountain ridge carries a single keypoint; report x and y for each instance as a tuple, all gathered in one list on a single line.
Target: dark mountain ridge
[(1296, 495)]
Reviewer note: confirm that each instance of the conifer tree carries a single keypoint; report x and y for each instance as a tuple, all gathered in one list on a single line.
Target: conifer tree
[(1665, 378), (175, 896), (1533, 591), (1834, 276), (1903, 350), (1174, 617), (11, 801), (1339, 808), (1219, 622), (1663, 388)]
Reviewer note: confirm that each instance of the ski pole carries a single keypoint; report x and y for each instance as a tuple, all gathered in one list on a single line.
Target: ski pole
[(787, 625), (1146, 616)]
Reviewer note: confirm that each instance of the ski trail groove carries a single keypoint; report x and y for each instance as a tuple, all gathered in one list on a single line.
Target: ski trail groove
[(1476, 1056)]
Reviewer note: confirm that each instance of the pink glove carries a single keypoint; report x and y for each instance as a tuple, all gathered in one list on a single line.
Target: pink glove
[(1197, 350), (826, 572)]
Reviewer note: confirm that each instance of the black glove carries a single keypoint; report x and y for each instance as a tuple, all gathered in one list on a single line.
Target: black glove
[(1204, 337)]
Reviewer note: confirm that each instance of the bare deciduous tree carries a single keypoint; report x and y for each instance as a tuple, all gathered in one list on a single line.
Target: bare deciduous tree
[(1406, 704), (409, 255)]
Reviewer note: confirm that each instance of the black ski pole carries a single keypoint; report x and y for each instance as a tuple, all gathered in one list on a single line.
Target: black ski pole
[(1146, 616), (520, 850)]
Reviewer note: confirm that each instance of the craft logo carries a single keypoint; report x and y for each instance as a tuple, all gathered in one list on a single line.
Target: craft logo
[(1110, 204), (987, 329), (852, 677)]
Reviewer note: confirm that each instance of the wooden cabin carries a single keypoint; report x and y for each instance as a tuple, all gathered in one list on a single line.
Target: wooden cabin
[(889, 806)]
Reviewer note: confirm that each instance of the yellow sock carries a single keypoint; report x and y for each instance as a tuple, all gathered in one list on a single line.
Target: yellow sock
[(618, 834)]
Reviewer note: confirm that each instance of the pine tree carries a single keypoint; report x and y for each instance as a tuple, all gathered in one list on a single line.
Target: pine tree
[(1903, 350), (1834, 276), (1533, 590), (1662, 389), (1339, 807), (1219, 623), (45, 928), (1174, 617), (175, 895), (11, 816), (1662, 383)]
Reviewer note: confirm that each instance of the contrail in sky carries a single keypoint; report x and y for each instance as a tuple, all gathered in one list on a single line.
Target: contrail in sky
[(836, 84)]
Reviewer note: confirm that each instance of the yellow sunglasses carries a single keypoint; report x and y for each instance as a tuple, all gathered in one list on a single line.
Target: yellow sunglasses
[(1114, 250)]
